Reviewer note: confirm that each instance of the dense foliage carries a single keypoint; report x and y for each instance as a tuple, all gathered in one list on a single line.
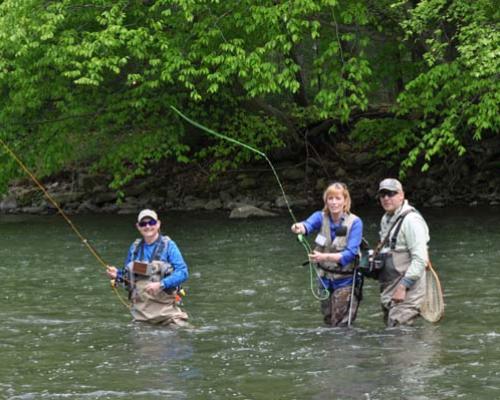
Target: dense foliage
[(91, 82)]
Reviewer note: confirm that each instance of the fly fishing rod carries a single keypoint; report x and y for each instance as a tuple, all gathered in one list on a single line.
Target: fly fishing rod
[(323, 295), (87, 244)]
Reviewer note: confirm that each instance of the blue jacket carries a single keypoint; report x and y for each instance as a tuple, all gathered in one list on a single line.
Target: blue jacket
[(313, 223), (170, 254)]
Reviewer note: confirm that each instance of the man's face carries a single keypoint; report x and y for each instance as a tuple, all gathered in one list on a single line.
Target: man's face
[(148, 227), (391, 201)]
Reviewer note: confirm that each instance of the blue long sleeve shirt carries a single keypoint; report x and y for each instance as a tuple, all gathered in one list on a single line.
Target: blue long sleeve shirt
[(313, 223), (170, 254)]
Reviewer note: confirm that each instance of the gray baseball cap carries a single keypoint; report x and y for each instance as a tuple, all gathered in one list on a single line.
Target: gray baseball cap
[(390, 184)]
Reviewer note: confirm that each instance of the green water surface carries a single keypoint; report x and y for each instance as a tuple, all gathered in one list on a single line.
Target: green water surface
[(257, 332)]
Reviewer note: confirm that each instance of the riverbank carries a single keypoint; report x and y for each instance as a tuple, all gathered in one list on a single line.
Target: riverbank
[(471, 180)]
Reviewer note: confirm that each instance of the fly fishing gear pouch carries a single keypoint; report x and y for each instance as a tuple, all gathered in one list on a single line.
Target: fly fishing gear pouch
[(141, 273), (142, 269), (370, 265), (154, 271)]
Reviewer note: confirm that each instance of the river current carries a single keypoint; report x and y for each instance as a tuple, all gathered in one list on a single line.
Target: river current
[(256, 331)]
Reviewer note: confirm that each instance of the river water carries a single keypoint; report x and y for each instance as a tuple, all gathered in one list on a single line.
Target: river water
[(256, 328)]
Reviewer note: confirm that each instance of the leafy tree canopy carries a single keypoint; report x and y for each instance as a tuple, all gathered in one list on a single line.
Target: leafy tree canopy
[(93, 81)]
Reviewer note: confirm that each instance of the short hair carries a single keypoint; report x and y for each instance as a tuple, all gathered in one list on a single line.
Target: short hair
[(336, 187)]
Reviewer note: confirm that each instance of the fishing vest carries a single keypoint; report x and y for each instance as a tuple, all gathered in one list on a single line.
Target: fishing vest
[(158, 308), (396, 256), (152, 271), (331, 269)]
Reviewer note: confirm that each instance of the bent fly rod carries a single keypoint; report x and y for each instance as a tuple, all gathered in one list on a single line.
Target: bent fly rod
[(91, 248), (301, 238)]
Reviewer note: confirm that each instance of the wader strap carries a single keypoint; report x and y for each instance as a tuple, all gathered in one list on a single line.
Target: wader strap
[(159, 249), (139, 243), (394, 237)]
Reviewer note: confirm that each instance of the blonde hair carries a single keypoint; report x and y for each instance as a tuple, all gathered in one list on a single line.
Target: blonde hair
[(336, 187)]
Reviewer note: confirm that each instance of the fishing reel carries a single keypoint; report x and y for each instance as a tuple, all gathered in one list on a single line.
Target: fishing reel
[(371, 264)]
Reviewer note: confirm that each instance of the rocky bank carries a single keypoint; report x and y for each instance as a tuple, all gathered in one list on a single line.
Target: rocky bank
[(471, 180)]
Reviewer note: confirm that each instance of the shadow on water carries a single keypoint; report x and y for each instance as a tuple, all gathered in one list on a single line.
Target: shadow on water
[(361, 364), (257, 331)]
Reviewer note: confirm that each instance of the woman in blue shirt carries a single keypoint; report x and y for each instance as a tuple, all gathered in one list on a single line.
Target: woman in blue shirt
[(336, 253)]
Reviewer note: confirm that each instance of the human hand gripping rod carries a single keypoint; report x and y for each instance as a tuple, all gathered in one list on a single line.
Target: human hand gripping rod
[(91, 248)]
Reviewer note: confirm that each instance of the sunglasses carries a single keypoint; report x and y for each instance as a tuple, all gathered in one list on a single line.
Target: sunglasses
[(387, 193), (150, 222)]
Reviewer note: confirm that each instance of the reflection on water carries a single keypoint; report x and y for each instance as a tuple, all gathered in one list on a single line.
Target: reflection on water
[(160, 345), (257, 332)]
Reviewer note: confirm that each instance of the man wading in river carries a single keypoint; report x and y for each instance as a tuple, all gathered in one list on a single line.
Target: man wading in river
[(402, 254), (153, 272)]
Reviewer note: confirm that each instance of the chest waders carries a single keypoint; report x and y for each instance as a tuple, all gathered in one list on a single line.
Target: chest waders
[(390, 260), (159, 308), (396, 261), (334, 271)]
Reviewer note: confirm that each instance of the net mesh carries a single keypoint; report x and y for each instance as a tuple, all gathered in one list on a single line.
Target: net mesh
[(433, 307)]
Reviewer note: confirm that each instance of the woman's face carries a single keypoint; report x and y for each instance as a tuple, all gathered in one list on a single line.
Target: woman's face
[(335, 202)]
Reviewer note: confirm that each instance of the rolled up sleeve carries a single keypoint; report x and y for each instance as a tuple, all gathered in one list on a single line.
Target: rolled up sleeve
[(417, 237)]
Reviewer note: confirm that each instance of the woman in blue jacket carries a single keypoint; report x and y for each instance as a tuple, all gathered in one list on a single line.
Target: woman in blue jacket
[(336, 254)]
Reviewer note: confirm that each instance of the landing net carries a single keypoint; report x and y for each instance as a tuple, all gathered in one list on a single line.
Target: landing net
[(433, 307)]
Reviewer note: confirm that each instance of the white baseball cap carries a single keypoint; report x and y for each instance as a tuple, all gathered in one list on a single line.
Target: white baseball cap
[(147, 213)]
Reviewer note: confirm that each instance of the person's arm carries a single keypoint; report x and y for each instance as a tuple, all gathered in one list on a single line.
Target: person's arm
[(313, 223), (416, 237), (118, 274), (353, 242), (180, 270), (121, 273)]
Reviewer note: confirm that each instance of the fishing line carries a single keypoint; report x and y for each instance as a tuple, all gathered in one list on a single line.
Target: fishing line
[(91, 248), (323, 295)]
